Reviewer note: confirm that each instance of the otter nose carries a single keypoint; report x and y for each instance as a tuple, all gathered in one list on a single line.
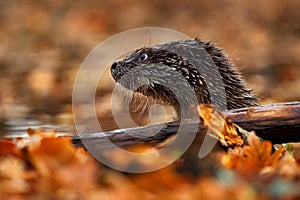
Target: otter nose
[(115, 69), (114, 65)]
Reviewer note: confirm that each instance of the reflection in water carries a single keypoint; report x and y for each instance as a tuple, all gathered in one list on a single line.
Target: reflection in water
[(15, 128)]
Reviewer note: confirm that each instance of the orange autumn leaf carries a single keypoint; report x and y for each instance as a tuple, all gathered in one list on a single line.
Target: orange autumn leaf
[(50, 156), (220, 127), (58, 170), (13, 177), (58, 150), (8, 147), (253, 158), (63, 171), (260, 153)]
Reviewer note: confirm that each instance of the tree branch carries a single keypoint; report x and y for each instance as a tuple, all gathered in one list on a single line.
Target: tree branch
[(279, 123)]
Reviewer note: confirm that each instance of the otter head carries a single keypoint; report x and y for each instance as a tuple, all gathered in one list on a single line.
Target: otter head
[(160, 74), (142, 57)]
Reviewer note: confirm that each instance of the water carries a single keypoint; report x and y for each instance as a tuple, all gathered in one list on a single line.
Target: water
[(15, 128)]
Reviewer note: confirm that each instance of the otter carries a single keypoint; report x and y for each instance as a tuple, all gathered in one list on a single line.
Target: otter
[(178, 73)]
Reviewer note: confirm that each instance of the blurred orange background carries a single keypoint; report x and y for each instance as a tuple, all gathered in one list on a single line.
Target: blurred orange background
[(43, 43)]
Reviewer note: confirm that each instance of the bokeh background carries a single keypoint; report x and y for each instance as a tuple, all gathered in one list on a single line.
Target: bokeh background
[(43, 43)]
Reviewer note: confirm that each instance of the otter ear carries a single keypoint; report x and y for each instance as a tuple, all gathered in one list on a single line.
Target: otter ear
[(197, 39)]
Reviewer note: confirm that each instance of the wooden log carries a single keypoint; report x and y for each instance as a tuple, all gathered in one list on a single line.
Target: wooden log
[(279, 123)]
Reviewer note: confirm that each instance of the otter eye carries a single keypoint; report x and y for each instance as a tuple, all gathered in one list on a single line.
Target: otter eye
[(143, 57)]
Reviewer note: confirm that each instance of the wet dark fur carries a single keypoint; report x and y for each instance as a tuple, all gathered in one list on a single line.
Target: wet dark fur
[(174, 67)]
